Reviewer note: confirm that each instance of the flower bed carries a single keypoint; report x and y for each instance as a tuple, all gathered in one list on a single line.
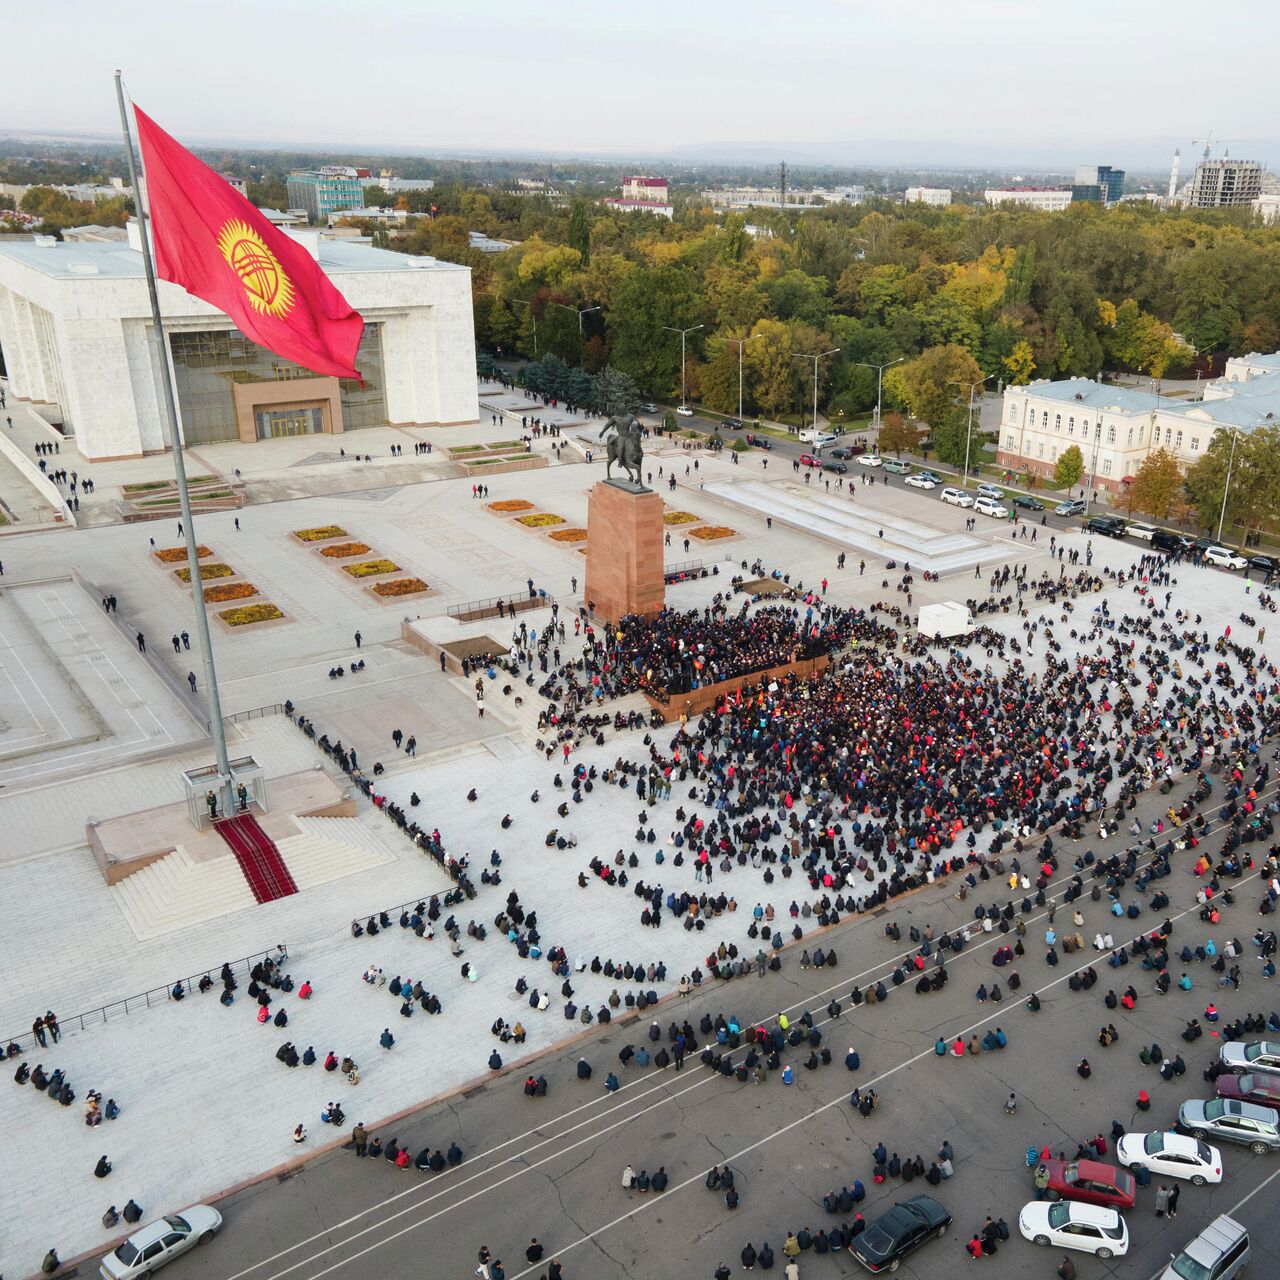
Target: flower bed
[(320, 533), (678, 517), (511, 504), (174, 555), (206, 571), (229, 591), (341, 550), (709, 532), (399, 587), (247, 614), (569, 535), (367, 568), (540, 520)]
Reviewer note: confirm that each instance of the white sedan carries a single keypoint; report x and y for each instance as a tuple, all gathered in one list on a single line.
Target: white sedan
[(920, 481), (956, 497), (1225, 558), (870, 460), (150, 1247), (1068, 1225), (684, 411), (1172, 1156)]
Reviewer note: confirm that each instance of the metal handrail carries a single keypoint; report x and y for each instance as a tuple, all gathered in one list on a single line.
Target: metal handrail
[(516, 601), (684, 566), (143, 1000)]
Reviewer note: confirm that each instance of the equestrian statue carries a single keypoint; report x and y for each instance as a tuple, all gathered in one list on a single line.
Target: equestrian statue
[(624, 446)]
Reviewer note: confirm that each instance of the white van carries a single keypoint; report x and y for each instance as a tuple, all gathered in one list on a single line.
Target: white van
[(1144, 532), (818, 438)]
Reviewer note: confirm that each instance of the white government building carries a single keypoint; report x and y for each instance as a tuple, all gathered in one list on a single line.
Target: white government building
[(77, 341), (1116, 427)]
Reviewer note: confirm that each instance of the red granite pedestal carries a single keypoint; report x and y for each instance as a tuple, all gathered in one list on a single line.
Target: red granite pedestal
[(624, 551)]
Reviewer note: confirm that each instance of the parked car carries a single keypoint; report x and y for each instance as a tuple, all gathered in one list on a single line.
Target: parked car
[(991, 507), (1172, 1155), (1225, 558), (1252, 1055), (648, 408), (1072, 507), (733, 424), (956, 497), (1027, 502), (870, 460), (1262, 1089), (1143, 532), (1255, 1127), (838, 467), (810, 460), (842, 454), (930, 475), (159, 1242), (1264, 564), (922, 480), (1090, 1182), (894, 467), (900, 1231), (684, 411), (1110, 526), (1219, 1252), (1167, 541), (1101, 1232), (988, 490), (758, 442)]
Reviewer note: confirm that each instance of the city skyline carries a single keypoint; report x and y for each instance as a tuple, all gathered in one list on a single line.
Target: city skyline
[(985, 85)]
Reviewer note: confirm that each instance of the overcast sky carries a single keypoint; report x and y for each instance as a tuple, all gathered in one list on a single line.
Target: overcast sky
[(573, 75)]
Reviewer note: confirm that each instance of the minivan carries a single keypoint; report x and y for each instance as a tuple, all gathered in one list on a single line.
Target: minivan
[(1143, 532), (894, 467), (1219, 1252)]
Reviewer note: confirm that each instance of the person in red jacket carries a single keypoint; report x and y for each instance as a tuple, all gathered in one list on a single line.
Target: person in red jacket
[(974, 1248)]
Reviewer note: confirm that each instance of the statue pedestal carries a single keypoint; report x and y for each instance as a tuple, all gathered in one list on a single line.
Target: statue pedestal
[(624, 551)]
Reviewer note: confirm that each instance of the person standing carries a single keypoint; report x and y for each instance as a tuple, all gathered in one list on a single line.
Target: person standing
[(359, 638), (1174, 1192), (360, 1135), (1162, 1201), (37, 1029)]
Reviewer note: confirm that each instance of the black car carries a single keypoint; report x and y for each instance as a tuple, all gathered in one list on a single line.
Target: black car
[(841, 454), (733, 424), (1111, 526), (758, 442), (1027, 502), (1168, 541), (900, 1231), (1264, 564), (838, 467)]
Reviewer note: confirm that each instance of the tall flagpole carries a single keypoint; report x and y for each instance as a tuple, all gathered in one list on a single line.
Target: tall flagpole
[(180, 471)]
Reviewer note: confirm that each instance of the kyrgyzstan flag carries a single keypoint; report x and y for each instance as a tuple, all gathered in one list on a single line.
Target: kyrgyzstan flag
[(209, 239)]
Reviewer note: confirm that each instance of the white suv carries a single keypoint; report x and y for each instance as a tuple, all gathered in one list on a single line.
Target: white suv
[(956, 497), (990, 507), (1143, 532), (1225, 558)]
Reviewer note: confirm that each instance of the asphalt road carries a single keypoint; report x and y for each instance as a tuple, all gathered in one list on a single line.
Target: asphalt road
[(551, 1167)]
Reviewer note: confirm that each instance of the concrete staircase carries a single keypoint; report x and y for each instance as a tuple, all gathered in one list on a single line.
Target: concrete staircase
[(327, 849), (175, 891)]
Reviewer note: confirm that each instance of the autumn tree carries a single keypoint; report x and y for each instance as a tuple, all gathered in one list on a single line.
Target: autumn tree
[(1020, 363), (771, 368), (935, 387), (897, 434), (1158, 484), (1254, 495), (1069, 469)]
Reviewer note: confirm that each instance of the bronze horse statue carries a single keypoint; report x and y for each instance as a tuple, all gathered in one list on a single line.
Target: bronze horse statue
[(624, 446)]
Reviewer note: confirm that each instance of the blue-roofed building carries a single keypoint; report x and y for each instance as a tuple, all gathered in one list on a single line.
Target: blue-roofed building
[(1116, 427), (76, 335)]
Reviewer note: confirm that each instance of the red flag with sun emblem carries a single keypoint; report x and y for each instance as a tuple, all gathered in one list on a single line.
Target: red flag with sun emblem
[(209, 239)]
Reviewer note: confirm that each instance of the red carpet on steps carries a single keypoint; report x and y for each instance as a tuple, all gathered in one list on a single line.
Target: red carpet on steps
[(258, 857)]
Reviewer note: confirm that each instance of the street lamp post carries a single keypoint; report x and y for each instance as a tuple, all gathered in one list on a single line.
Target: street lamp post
[(522, 303), (742, 342), (879, 368), (820, 356), (579, 312), (1226, 492), (682, 333), (968, 435)]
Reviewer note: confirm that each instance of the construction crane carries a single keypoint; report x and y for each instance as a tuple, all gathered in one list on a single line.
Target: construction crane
[(1208, 143)]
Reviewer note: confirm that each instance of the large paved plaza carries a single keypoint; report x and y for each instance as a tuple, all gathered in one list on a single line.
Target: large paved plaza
[(93, 729)]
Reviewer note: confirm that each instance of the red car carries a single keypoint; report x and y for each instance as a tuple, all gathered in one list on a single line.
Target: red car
[(808, 460), (1090, 1182), (1264, 1090)]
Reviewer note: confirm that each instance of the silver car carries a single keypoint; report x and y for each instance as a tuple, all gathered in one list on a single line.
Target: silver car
[(1258, 1128), (150, 1247), (1250, 1055)]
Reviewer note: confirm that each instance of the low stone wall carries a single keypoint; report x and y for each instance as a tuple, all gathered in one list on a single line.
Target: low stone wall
[(699, 700)]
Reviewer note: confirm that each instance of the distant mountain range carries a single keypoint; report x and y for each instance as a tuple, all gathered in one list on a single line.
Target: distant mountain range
[(1135, 155)]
